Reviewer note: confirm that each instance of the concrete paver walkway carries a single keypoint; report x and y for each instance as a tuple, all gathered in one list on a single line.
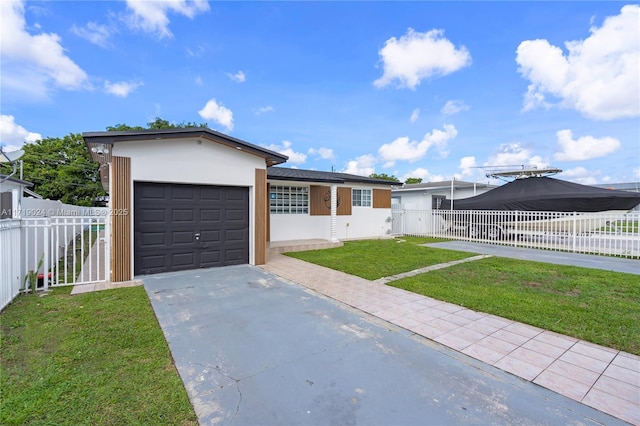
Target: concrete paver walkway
[(600, 377)]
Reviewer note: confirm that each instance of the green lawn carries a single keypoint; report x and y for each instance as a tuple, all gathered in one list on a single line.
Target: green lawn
[(373, 259), (97, 358), (602, 307)]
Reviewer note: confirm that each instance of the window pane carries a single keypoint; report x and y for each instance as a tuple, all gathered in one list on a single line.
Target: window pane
[(289, 200)]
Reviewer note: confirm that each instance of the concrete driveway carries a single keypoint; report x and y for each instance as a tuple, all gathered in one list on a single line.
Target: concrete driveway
[(252, 348)]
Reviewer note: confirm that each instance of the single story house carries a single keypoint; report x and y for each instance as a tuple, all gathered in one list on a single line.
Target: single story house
[(194, 198), (11, 192), (429, 195)]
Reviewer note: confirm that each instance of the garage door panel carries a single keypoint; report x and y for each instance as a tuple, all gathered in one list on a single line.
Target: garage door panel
[(209, 215), (183, 259), (183, 192), (153, 263), (152, 239), (182, 237), (235, 215), (210, 236), (211, 194), (210, 258), (153, 216), (168, 216), (235, 194), (235, 256), (182, 215), (234, 235), (153, 193)]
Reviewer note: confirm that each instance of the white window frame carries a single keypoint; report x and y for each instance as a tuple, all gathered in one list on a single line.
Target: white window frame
[(363, 201), (288, 199)]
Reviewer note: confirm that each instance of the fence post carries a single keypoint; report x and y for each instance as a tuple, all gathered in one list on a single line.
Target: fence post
[(573, 234), (46, 265)]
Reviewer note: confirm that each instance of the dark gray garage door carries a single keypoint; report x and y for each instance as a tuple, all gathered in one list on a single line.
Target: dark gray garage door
[(178, 227)]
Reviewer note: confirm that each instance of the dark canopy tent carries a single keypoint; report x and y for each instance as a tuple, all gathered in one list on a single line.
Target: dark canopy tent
[(547, 194)]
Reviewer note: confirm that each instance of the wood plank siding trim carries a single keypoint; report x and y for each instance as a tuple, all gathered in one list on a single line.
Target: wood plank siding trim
[(344, 198), (381, 199), (320, 201), (317, 203), (121, 219), (261, 217)]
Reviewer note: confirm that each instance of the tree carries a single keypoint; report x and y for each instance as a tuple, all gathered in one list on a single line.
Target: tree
[(61, 169), (413, 180), (384, 176), (158, 123)]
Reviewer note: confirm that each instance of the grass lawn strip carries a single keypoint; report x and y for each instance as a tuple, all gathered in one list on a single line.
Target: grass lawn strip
[(374, 259), (97, 358), (598, 306), (385, 280)]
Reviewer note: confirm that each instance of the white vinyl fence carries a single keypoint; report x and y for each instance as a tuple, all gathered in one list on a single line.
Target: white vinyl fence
[(10, 260), (602, 233), (52, 251)]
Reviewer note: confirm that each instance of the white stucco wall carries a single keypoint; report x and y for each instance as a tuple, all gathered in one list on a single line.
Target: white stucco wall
[(364, 222), (187, 161), (193, 161)]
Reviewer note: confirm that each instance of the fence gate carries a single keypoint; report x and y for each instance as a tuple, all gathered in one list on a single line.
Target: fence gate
[(65, 250)]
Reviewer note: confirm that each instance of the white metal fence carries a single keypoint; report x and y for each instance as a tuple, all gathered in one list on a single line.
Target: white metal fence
[(44, 252), (603, 233)]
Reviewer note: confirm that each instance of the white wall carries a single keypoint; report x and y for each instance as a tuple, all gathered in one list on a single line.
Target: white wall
[(364, 222), (187, 161)]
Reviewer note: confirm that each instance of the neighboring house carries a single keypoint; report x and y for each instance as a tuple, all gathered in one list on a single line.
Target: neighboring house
[(194, 198), (429, 195), (11, 192)]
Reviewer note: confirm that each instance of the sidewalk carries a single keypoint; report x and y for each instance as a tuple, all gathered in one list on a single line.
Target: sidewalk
[(600, 377)]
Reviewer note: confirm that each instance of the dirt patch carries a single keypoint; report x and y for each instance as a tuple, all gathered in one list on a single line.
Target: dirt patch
[(574, 292)]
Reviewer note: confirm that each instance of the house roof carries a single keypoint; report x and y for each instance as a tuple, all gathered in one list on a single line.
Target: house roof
[(301, 175), (5, 178), (98, 141), (457, 184)]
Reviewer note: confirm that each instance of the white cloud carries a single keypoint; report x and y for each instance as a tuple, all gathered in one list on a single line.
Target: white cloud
[(324, 153), (13, 135), (581, 175), (468, 166), (285, 149), (404, 149), (515, 155), (361, 166), (121, 88), (94, 33), (238, 77), (416, 56), (453, 107), (198, 80), (152, 16), (584, 148), (423, 174), (217, 113), (34, 64), (597, 77), (262, 110), (415, 114)]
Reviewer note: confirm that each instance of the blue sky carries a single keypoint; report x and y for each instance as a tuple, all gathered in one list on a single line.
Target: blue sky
[(413, 89)]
